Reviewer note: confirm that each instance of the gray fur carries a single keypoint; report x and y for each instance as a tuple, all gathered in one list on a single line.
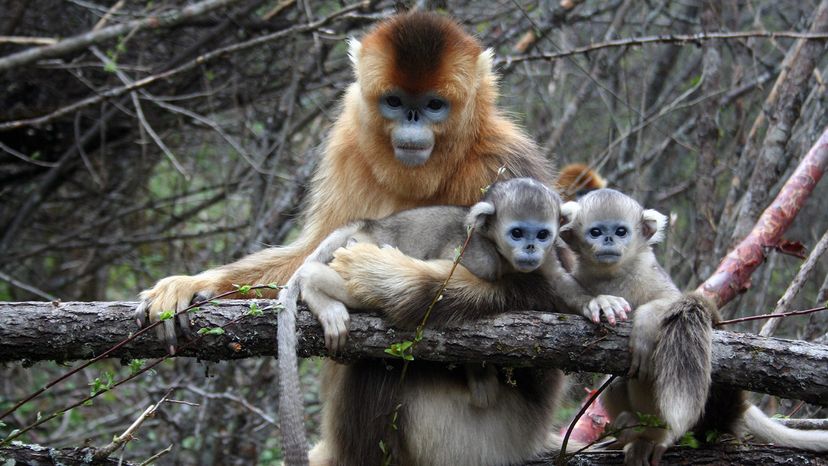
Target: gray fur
[(424, 233)]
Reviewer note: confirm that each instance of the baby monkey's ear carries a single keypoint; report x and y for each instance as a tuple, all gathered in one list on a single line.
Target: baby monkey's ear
[(653, 226), (479, 213), (569, 213)]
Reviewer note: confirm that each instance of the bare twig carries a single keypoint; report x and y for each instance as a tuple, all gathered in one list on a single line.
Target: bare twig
[(663, 39), (78, 42), (796, 285), (198, 61)]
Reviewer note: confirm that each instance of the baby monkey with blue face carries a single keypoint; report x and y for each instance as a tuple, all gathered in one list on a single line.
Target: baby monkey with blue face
[(670, 376), (512, 257)]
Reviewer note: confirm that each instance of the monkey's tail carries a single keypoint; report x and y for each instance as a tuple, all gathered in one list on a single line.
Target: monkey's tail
[(767, 430), (291, 411), (682, 361)]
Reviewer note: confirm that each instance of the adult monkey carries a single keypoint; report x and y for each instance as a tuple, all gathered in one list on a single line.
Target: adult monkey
[(418, 127)]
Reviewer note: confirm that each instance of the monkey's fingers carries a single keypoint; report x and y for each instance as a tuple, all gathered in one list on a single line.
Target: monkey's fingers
[(335, 322), (593, 311), (171, 294), (638, 453)]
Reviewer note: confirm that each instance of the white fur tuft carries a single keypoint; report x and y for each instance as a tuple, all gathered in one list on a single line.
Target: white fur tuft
[(475, 216), (569, 212), (354, 49), (484, 63), (657, 222)]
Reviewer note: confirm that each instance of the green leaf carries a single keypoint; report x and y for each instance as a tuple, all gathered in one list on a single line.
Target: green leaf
[(195, 309), (211, 331), (135, 366), (255, 310), (688, 440), (243, 289), (166, 315), (110, 66), (383, 447), (711, 436)]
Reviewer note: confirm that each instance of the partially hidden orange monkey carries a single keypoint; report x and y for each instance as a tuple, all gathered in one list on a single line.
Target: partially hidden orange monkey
[(418, 127)]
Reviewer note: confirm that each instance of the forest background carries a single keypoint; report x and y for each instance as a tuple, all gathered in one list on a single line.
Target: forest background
[(186, 138)]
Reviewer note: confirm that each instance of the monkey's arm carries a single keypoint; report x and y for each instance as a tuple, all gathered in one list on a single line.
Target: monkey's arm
[(574, 299), (404, 287)]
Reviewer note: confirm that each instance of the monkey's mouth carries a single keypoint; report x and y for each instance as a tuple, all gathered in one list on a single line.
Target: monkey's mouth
[(526, 265), (412, 155), (608, 257)]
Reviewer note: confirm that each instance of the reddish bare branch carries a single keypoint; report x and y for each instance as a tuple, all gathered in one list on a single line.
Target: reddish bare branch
[(733, 273)]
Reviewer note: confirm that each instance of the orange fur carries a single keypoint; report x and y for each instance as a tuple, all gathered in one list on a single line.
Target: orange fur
[(576, 179), (359, 177)]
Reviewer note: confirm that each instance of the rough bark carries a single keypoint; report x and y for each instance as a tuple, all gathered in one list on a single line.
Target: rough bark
[(725, 455), (36, 455), (36, 331)]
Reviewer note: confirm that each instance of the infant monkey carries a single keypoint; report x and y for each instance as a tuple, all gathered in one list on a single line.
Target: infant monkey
[(515, 230), (671, 339), (512, 263)]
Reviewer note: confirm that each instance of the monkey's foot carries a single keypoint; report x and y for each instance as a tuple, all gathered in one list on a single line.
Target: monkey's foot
[(614, 308), (172, 295), (335, 321)]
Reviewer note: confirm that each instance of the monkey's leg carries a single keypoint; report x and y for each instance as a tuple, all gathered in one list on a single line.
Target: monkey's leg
[(326, 295)]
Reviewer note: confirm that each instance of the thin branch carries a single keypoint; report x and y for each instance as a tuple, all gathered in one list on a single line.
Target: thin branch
[(796, 285), (81, 41), (662, 39), (192, 64)]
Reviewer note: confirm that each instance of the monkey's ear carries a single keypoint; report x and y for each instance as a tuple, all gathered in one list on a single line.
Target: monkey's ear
[(654, 225), (354, 48), (484, 64), (476, 217), (569, 212)]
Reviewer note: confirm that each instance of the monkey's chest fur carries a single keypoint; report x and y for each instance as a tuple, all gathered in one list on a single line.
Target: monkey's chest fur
[(435, 422)]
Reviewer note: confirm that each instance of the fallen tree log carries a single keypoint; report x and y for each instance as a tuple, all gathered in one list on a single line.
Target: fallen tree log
[(718, 455), (38, 331)]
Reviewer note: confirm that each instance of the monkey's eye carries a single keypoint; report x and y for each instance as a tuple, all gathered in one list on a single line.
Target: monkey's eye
[(621, 231), (435, 104), (516, 233), (595, 232), (543, 234), (393, 101)]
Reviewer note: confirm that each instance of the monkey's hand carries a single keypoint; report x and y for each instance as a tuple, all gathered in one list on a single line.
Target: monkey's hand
[(644, 337), (172, 295), (335, 321), (483, 385), (614, 308)]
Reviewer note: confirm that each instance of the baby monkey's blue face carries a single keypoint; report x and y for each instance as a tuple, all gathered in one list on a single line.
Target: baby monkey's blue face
[(609, 239), (528, 241)]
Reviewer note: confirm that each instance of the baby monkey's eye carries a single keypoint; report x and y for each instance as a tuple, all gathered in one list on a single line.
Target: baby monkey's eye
[(543, 234), (516, 233), (621, 231), (595, 232), (393, 101)]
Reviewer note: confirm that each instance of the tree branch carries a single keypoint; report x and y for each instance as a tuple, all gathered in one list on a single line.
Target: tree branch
[(78, 330), (96, 36), (719, 455), (733, 274)]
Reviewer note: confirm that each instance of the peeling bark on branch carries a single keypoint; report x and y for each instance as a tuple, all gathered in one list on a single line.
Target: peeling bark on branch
[(36, 331)]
